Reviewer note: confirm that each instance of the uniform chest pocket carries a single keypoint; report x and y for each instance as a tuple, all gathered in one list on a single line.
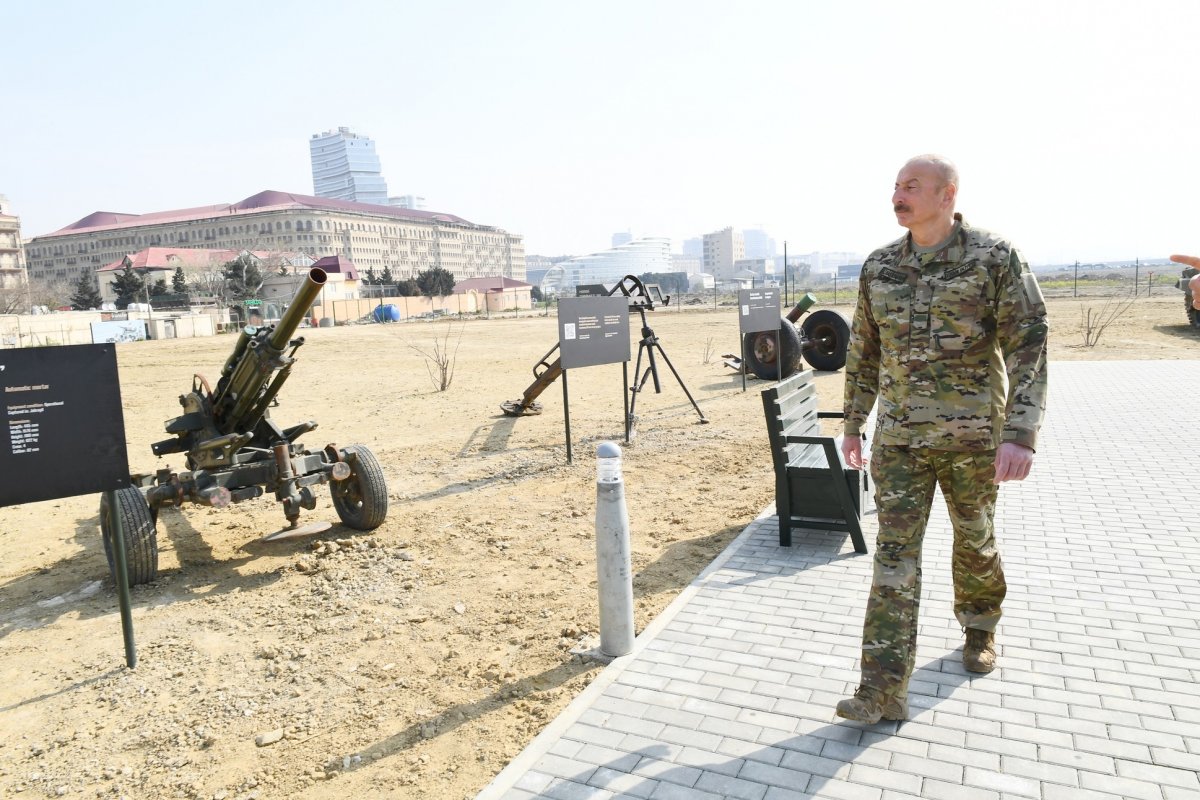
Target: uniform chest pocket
[(891, 306), (961, 320)]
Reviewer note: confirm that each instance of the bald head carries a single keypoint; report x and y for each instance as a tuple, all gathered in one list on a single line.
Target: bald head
[(943, 167)]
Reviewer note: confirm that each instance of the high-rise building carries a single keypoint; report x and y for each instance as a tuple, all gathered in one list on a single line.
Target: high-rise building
[(721, 249), (345, 167), (621, 237), (758, 243), (12, 254), (693, 248)]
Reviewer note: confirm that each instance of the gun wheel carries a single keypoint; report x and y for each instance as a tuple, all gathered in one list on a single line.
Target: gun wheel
[(361, 500), (139, 533), (827, 338), (770, 361)]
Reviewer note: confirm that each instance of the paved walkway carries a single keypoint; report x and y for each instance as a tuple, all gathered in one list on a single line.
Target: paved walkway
[(730, 692)]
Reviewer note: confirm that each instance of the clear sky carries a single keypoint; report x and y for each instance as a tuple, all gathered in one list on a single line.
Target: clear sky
[(1075, 125)]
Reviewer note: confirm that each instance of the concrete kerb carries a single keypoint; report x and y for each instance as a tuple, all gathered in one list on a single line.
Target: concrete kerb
[(525, 760)]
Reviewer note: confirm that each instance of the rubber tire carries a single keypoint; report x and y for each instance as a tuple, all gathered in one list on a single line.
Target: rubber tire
[(361, 500), (762, 355), (140, 534), (1193, 315), (831, 326)]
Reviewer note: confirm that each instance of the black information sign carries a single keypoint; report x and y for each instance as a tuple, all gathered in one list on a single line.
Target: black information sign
[(758, 310), (64, 432), (593, 330)]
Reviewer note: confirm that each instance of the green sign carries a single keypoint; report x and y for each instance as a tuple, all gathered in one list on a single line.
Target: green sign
[(253, 303)]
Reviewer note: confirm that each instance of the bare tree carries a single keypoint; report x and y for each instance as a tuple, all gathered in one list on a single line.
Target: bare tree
[(440, 359), (14, 296), (50, 292), (1094, 322)]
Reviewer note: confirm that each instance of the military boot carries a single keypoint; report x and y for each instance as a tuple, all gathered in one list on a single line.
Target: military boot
[(979, 653), (870, 705)]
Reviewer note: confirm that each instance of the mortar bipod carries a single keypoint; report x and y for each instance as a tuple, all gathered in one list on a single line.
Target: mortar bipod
[(542, 380)]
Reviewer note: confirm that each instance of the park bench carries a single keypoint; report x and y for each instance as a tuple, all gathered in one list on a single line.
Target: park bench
[(813, 486)]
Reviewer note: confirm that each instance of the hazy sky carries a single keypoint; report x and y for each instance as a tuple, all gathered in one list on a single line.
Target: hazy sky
[(1075, 125)]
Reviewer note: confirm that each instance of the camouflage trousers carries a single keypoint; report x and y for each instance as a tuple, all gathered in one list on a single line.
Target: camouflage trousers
[(905, 479)]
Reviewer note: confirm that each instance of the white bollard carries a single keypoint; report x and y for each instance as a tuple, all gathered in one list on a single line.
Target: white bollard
[(613, 570)]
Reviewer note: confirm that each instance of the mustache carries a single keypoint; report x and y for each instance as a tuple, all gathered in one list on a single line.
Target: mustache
[(898, 207)]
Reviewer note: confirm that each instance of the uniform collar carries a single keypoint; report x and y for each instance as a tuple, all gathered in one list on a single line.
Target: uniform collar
[(952, 253)]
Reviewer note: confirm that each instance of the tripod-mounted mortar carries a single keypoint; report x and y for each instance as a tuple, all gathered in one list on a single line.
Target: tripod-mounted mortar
[(642, 297), (236, 452)]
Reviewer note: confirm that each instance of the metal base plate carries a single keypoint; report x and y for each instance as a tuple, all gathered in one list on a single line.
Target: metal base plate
[(514, 408), (311, 529)]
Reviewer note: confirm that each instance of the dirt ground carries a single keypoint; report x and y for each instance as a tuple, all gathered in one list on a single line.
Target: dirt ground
[(418, 659)]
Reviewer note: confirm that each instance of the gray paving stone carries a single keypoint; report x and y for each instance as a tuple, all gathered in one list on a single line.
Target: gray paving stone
[(1097, 695)]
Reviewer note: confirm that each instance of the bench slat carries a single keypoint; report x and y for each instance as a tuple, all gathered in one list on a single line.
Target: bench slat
[(813, 487)]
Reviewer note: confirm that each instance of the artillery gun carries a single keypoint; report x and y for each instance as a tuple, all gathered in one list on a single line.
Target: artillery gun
[(1189, 282), (236, 452), (822, 339)]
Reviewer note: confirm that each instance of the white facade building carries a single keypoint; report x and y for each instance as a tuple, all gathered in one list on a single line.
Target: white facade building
[(377, 237), (651, 254), (345, 167), (12, 253)]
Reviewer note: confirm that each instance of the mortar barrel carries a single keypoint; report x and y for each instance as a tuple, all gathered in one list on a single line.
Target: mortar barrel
[(298, 308), (806, 302)]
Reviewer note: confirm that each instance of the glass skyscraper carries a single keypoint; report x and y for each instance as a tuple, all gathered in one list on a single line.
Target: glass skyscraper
[(345, 167)]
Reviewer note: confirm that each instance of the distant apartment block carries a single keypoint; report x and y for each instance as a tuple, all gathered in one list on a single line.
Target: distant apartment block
[(12, 253), (345, 167), (407, 201), (763, 269), (689, 264), (825, 265), (404, 241), (693, 247), (758, 243), (650, 254), (722, 249)]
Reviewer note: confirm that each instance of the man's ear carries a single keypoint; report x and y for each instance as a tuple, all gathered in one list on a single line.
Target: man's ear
[(951, 193)]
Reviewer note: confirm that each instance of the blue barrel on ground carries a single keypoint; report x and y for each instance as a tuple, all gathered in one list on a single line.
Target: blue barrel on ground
[(387, 313)]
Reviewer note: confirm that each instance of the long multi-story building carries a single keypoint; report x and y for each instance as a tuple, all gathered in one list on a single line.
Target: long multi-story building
[(345, 167), (404, 241), (12, 256)]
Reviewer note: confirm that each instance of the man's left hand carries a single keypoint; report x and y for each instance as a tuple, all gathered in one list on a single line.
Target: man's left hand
[(1013, 462)]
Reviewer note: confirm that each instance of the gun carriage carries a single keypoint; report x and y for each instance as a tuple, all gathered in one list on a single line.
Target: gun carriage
[(236, 452), (822, 340)]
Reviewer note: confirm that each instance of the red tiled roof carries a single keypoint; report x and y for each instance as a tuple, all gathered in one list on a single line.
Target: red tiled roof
[(338, 264), (263, 201), (492, 284)]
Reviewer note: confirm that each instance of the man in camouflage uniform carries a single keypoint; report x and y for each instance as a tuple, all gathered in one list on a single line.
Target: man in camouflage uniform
[(950, 335)]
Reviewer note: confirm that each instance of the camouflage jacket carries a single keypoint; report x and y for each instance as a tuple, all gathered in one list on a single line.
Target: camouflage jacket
[(955, 350)]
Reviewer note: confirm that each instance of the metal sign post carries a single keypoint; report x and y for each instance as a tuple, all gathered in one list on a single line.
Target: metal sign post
[(66, 437), (758, 312), (592, 331)]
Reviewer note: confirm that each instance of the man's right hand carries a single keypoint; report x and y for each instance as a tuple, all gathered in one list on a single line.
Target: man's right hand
[(852, 451)]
